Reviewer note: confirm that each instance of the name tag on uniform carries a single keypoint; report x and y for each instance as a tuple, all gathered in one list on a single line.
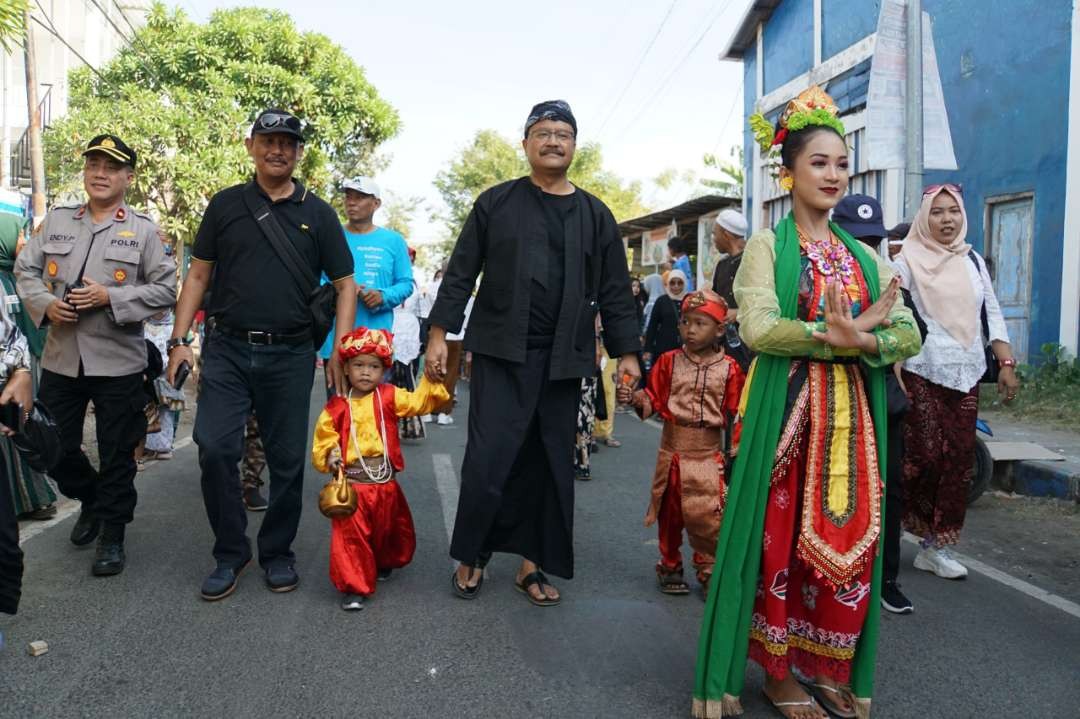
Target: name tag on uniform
[(12, 303)]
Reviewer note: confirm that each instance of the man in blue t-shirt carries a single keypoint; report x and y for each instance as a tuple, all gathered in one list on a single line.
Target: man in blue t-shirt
[(381, 264)]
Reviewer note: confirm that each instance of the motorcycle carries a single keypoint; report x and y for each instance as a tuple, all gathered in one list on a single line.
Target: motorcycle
[(984, 464)]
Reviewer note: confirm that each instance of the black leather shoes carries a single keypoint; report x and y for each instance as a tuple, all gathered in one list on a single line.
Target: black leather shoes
[(109, 557), (221, 582), (281, 578), (86, 528)]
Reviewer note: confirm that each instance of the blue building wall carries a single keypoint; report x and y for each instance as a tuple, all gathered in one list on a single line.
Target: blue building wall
[(749, 146), (790, 46), (845, 22), (1005, 74)]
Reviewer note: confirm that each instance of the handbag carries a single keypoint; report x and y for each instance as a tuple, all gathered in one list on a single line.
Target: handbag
[(990, 376), (337, 499), (322, 299)]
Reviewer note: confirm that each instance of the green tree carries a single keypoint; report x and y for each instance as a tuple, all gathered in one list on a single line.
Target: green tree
[(490, 159), (400, 213), (12, 23), (184, 94), (730, 181)]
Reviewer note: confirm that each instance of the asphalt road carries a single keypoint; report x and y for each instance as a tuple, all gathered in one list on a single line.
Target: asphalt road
[(143, 644)]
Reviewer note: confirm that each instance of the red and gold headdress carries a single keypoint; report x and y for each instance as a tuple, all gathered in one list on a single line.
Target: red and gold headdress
[(363, 341), (707, 302), (812, 107)]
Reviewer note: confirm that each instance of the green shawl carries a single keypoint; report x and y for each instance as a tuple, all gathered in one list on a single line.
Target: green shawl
[(10, 228), (725, 630)]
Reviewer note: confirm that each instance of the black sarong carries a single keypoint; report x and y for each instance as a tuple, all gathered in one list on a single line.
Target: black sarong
[(517, 480)]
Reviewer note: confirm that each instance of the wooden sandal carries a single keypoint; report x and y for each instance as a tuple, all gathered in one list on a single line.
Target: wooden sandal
[(819, 692), (671, 582), (540, 581)]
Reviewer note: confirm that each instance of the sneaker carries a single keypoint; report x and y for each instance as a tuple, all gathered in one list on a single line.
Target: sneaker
[(444, 420), (426, 419), (352, 602), (281, 578), (221, 582), (253, 499), (940, 562), (893, 600)]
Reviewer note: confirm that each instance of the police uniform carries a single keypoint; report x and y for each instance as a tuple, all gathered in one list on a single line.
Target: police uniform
[(102, 356)]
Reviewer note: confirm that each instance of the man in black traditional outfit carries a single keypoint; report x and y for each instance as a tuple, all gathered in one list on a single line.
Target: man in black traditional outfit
[(551, 258)]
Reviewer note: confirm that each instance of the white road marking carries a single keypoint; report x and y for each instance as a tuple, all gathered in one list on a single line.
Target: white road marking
[(447, 482), (1069, 607), (70, 507)]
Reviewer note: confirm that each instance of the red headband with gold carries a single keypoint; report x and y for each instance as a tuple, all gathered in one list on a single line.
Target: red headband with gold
[(363, 341), (707, 302)]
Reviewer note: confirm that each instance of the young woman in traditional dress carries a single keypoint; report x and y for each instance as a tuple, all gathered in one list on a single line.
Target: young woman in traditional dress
[(797, 573)]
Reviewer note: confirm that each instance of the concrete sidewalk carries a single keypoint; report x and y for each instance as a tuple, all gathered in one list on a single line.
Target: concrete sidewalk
[(1036, 478)]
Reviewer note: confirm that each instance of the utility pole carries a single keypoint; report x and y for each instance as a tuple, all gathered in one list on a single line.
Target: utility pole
[(33, 127), (913, 117)]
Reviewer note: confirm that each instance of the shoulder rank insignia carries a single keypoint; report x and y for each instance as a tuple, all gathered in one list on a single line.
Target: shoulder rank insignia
[(121, 214)]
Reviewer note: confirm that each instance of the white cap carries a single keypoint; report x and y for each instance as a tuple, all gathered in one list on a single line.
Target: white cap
[(363, 184), (732, 221)]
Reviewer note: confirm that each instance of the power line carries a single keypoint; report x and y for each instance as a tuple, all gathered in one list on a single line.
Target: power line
[(664, 84), (52, 31), (637, 68), (731, 112)]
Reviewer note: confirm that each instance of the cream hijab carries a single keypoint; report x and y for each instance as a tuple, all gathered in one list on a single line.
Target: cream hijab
[(676, 274), (939, 273)]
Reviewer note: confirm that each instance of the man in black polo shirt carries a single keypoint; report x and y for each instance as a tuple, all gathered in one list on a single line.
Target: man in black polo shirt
[(260, 354)]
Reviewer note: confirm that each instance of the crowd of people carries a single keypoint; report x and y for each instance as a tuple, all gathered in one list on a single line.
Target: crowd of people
[(817, 398)]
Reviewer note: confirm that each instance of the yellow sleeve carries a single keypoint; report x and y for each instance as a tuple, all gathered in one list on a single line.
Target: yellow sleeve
[(424, 400), (760, 323), (900, 339), (326, 441)]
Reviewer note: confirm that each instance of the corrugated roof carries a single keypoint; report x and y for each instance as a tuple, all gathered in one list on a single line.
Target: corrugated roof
[(745, 35), (688, 210)]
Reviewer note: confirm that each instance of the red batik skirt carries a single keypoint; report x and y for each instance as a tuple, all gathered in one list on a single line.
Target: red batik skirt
[(378, 535)]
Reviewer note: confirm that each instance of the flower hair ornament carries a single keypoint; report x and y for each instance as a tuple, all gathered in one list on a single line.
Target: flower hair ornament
[(363, 341), (813, 107)]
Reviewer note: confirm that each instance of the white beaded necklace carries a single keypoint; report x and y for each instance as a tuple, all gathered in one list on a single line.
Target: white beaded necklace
[(385, 471)]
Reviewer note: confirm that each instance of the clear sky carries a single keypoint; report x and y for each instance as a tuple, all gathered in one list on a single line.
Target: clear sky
[(453, 68)]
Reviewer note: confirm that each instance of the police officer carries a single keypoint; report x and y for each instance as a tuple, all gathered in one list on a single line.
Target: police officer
[(93, 273)]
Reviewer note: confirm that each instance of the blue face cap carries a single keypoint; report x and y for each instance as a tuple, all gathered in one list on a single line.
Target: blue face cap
[(551, 110), (860, 215)]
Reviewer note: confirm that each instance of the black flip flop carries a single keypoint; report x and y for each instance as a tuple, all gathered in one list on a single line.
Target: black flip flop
[(466, 592), (541, 581)]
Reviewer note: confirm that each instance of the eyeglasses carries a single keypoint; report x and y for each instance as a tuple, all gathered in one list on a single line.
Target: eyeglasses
[(956, 189), (544, 135)]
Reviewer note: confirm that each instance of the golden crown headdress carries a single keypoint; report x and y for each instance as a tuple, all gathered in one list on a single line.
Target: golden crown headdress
[(813, 106)]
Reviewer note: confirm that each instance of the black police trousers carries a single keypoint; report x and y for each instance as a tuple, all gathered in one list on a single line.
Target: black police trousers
[(11, 557), (275, 381), (108, 492)]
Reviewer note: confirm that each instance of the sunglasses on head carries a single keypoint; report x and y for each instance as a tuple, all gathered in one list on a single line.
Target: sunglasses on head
[(956, 189), (271, 120)]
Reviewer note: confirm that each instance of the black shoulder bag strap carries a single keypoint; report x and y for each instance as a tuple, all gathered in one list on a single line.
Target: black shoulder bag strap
[(286, 251), (982, 315)]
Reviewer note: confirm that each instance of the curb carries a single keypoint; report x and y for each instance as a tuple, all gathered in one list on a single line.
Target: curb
[(1033, 478)]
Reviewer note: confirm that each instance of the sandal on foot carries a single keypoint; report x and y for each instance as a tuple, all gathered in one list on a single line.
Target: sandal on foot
[(540, 581), (780, 706), (823, 694), (612, 442), (671, 582), (465, 591)]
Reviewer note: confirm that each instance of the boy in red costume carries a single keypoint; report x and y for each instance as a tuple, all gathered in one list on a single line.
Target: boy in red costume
[(361, 432), (695, 389)]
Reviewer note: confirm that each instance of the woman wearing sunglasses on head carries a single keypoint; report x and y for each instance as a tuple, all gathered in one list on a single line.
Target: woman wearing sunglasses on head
[(950, 285)]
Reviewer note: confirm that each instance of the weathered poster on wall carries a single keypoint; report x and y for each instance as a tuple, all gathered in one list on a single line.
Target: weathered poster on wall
[(885, 138)]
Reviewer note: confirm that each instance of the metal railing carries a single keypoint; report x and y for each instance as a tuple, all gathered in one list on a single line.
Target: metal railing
[(20, 155)]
